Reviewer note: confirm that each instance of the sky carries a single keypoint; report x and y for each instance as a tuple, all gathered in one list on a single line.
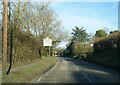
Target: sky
[(92, 15), (65, 0)]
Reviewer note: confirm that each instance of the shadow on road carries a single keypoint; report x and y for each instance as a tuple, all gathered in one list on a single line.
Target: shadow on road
[(93, 72)]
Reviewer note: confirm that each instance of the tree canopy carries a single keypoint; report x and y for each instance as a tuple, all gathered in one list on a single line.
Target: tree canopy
[(114, 31), (78, 43), (100, 33), (79, 34)]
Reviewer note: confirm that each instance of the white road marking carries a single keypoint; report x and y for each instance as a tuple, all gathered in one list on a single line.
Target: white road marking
[(87, 78), (39, 78)]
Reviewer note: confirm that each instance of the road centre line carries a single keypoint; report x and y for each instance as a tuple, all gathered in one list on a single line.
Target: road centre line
[(87, 78), (85, 75)]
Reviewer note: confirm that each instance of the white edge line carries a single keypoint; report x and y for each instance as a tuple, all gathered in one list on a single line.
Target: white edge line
[(87, 78), (39, 78), (47, 72)]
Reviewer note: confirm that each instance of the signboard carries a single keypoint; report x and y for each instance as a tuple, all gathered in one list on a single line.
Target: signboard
[(47, 42)]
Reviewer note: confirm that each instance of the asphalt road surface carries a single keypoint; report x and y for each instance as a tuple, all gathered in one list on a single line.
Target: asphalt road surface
[(75, 71)]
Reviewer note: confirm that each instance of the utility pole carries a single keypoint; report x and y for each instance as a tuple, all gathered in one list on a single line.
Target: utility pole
[(4, 43)]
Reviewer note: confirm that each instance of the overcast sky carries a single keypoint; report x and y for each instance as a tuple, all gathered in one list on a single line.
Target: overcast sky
[(92, 15)]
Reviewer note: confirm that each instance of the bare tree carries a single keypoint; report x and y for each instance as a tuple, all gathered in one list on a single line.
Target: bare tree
[(31, 22)]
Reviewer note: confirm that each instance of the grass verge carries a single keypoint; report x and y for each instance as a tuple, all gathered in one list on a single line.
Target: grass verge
[(27, 74)]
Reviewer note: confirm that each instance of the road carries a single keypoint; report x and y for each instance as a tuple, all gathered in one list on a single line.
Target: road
[(75, 71)]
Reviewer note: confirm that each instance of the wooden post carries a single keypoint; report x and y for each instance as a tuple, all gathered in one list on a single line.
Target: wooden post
[(4, 43), (49, 51)]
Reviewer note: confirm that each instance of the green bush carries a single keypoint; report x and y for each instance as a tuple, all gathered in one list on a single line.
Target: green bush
[(106, 51)]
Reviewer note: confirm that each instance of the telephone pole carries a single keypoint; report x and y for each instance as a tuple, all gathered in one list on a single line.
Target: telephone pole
[(4, 43)]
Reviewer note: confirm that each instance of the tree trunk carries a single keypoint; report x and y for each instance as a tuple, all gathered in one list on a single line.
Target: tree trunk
[(11, 42)]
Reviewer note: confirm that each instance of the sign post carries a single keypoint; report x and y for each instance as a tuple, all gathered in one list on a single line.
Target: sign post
[(47, 42), (49, 50)]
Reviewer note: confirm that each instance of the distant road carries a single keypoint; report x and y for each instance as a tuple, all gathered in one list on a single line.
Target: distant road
[(75, 71)]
